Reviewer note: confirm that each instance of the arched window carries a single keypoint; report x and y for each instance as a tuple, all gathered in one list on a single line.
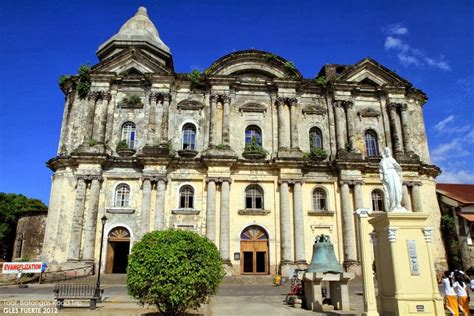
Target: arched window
[(254, 197), (122, 195), (377, 201), (315, 138), (189, 137), (371, 146), (186, 197), (319, 200), (128, 134), (253, 132)]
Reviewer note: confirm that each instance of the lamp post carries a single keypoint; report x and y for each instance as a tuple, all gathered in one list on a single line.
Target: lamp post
[(97, 288)]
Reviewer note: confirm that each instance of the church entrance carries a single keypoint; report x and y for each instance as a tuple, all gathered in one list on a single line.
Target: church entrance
[(118, 248), (254, 257)]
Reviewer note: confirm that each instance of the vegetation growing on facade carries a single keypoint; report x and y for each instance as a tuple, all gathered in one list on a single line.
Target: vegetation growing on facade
[(271, 57), (197, 79), (133, 100), (84, 82), (254, 148), (321, 81), (450, 239), (316, 153), (175, 270), (122, 145), (290, 69)]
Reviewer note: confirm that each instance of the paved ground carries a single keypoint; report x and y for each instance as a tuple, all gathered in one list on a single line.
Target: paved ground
[(244, 296)]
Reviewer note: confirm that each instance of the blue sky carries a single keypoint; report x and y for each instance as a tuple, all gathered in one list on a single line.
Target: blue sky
[(429, 43)]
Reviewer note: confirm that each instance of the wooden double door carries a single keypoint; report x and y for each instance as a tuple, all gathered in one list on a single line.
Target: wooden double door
[(254, 257), (118, 248)]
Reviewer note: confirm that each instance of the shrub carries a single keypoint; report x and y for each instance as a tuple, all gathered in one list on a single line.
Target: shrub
[(254, 147), (122, 145), (173, 269), (321, 81), (197, 79), (84, 84), (450, 239)]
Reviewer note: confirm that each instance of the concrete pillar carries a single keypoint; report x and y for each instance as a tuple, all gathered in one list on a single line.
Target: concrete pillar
[(226, 120), (358, 194), (299, 223), (347, 225), (416, 197), (339, 117), (90, 227), (370, 303), (146, 203), (283, 140), (351, 121), (224, 240), (77, 219), (294, 124), (165, 122), (285, 227), (406, 198), (392, 107), (160, 204), (152, 129), (212, 120), (405, 127), (211, 210)]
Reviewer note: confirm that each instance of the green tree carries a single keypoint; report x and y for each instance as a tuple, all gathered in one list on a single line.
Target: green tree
[(450, 239), (11, 207), (174, 269)]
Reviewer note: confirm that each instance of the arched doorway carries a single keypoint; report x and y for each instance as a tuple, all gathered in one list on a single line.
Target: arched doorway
[(254, 257), (118, 248)]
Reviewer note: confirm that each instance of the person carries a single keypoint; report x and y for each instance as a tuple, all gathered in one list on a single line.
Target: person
[(460, 289), (391, 176), (450, 297)]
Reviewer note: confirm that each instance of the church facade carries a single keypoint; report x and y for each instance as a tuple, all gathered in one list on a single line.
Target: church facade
[(249, 153)]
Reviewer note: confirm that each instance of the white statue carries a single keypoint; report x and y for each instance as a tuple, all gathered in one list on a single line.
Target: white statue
[(391, 176)]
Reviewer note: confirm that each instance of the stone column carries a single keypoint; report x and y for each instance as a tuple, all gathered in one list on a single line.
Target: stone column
[(224, 240), (160, 204), (358, 194), (416, 197), (392, 107), (92, 99), (64, 135), (146, 203), (299, 223), (406, 198), (347, 226), (350, 120), (285, 234), (339, 117), (294, 124), (110, 116), (152, 130), (165, 122), (90, 227), (211, 210), (212, 120), (102, 117), (226, 120), (405, 127), (283, 141), (77, 216), (370, 303)]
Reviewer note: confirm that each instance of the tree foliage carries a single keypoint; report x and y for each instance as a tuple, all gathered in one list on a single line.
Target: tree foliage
[(448, 230), (11, 207), (175, 270)]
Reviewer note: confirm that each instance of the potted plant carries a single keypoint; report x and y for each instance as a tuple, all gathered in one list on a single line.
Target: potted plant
[(124, 150), (254, 150)]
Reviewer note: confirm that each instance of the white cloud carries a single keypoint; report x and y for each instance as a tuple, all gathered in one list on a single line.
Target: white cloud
[(442, 124), (408, 55), (450, 150), (452, 176)]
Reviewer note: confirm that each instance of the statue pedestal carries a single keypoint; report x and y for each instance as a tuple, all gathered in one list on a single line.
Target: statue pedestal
[(338, 290), (406, 277)]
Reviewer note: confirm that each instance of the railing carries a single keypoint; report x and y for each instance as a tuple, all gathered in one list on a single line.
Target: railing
[(68, 274)]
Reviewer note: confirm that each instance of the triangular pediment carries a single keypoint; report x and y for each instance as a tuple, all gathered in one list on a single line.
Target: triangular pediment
[(135, 60), (370, 72)]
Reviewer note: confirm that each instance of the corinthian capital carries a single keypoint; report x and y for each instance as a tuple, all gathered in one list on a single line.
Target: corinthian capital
[(213, 98), (105, 95), (154, 96), (93, 95), (280, 101), (166, 97), (292, 101), (224, 98), (393, 106), (402, 106)]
